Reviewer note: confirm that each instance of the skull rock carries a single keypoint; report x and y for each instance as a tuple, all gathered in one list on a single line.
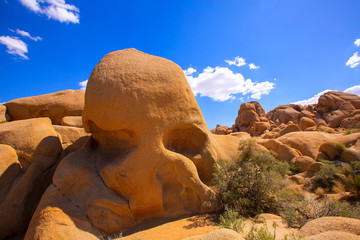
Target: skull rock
[(149, 155)]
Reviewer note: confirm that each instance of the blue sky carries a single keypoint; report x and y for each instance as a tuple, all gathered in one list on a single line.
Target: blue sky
[(275, 52)]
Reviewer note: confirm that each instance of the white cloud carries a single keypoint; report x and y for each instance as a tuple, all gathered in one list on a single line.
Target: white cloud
[(354, 61), (313, 100), (221, 84), (189, 71), (83, 85), (354, 90), (357, 42), (253, 66), (26, 34), (238, 61), (54, 9), (14, 46)]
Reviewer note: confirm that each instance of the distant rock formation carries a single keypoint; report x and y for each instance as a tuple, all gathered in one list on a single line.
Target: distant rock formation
[(54, 105)]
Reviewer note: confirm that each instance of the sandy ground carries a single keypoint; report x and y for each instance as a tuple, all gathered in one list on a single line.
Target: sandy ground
[(196, 226), (174, 230)]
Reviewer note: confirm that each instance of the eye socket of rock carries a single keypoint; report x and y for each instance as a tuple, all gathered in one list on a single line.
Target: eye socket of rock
[(150, 154)]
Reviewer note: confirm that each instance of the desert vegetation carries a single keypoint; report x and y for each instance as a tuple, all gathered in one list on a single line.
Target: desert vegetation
[(256, 182)]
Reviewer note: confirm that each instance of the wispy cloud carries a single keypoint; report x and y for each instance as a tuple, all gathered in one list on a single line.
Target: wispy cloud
[(354, 61), (354, 90), (253, 66), (26, 34), (54, 9), (238, 61), (313, 100), (221, 84), (14, 46), (83, 85), (357, 42)]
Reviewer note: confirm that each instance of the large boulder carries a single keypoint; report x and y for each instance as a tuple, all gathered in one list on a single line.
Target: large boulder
[(251, 119), (331, 224), (72, 138), (54, 105), (25, 179), (4, 117), (285, 114), (149, 155), (308, 143), (336, 106)]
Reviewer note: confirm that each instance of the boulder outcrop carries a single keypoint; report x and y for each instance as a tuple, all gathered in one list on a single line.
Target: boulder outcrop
[(150, 153), (336, 106), (53, 105), (251, 119), (25, 178)]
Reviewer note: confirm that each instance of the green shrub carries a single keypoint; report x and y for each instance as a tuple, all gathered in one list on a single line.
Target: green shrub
[(260, 233), (249, 184), (231, 219), (340, 146), (297, 214)]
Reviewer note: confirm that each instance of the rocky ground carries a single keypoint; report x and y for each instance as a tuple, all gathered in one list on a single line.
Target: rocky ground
[(126, 157)]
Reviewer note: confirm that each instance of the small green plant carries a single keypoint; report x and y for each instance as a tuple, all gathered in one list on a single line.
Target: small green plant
[(294, 169), (3, 122), (231, 219), (250, 183), (260, 233), (351, 131), (340, 146)]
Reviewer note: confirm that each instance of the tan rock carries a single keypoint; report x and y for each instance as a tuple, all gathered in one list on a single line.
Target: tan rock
[(222, 234), (37, 143), (284, 152), (3, 115), (32, 139), (306, 123), (334, 148), (148, 158), (72, 121), (54, 105), (221, 130), (336, 106), (251, 119), (315, 167), (351, 122), (352, 153), (72, 138), (302, 162), (333, 235), (308, 143), (266, 217), (10, 169), (326, 224), (285, 113), (289, 129), (241, 135)]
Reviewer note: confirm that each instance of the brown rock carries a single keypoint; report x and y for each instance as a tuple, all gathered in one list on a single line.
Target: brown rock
[(285, 152), (251, 114), (10, 169), (285, 113), (72, 121), (315, 167), (332, 235), (221, 130), (352, 153), (308, 143), (351, 122), (222, 234), (72, 138), (336, 106), (334, 148), (306, 123), (4, 117), (148, 158), (241, 135), (37, 143), (32, 139), (302, 162), (326, 224), (289, 129), (54, 105)]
